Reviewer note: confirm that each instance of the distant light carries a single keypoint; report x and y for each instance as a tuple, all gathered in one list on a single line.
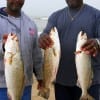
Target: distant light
[(2, 3)]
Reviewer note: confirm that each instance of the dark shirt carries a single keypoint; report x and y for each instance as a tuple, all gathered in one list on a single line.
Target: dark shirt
[(86, 19)]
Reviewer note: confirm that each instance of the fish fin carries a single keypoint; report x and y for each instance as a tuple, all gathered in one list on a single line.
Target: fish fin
[(90, 83), (9, 61), (9, 96), (78, 84), (44, 92), (54, 52), (92, 74), (54, 74), (23, 85), (86, 97)]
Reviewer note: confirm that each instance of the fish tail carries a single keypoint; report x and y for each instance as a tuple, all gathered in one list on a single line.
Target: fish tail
[(45, 93), (13, 97), (86, 97), (9, 96)]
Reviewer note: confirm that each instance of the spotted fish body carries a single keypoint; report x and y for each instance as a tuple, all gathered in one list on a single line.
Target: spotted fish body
[(84, 68), (51, 63), (14, 69)]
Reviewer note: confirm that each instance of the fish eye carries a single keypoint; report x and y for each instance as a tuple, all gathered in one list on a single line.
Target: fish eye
[(17, 40)]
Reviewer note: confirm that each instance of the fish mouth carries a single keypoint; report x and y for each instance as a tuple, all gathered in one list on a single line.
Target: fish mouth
[(83, 35)]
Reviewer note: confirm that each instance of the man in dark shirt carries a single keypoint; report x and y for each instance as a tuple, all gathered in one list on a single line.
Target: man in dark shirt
[(69, 22)]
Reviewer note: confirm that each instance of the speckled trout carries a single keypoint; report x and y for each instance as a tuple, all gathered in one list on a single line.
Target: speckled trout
[(14, 69), (84, 68), (51, 63)]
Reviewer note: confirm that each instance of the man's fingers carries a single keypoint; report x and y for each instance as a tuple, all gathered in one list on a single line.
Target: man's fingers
[(90, 47), (45, 41)]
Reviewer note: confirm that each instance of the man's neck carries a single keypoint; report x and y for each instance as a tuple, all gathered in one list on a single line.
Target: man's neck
[(77, 7), (12, 13)]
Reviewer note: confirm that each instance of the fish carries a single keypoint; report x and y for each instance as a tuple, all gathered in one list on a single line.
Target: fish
[(50, 64), (14, 68), (83, 67)]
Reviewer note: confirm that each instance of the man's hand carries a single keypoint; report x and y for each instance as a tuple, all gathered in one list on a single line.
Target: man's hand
[(45, 41), (90, 47)]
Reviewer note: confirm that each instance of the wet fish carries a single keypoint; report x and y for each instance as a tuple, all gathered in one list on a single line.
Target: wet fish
[(51, 63), (14, 69), (84, 68)]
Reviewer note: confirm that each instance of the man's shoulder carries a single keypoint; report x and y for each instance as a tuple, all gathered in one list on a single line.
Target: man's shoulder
[(61, 10), (59, 13), (27, 18), (92, 9)]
